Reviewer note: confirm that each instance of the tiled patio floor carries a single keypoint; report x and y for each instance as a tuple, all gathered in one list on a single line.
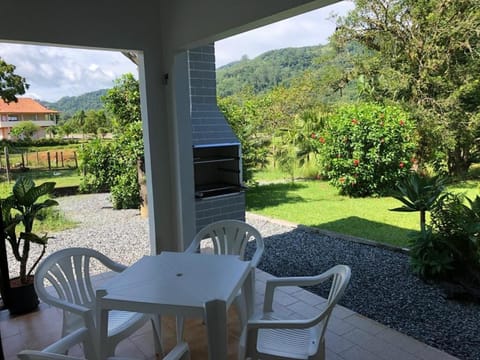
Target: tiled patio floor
[(350, 336)]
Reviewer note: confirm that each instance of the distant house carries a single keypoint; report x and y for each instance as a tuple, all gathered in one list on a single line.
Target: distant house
[(26, 109)]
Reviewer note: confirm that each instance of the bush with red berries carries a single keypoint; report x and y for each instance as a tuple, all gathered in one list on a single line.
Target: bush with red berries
[(366, 148)]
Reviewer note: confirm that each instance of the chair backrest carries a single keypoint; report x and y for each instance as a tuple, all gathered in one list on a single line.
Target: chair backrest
[(64, 278), (340, 275), (230, 237)]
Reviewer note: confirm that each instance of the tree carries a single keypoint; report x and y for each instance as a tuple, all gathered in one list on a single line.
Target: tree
[(24, 130), (242, 113), (11, 84), (123, 101), (96, 121), (425, 55), (113, 166)]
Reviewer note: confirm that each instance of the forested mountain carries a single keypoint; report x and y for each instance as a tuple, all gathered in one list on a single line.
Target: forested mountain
[(267, 70), (69, 105), (260, 74)]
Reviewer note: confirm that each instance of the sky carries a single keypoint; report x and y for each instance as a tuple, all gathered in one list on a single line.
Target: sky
[(55, 72)]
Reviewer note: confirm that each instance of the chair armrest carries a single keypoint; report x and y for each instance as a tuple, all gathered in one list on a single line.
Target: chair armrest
[(257, 256), (272, 284), (281, 324), (180, 351), (117, 267), (68, 306), (61, 346)]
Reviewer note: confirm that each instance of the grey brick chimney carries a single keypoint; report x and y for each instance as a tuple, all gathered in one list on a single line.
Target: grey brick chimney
[(209, 126), (216, 150)]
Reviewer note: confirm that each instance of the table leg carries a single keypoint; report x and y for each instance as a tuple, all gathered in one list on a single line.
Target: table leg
[(101, 326), (248, 289), (216, 323)]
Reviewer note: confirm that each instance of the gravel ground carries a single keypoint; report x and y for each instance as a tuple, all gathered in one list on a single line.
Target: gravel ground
[(381, 288)]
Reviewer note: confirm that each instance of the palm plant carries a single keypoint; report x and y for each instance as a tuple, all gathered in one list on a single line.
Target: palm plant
[(419, 193)]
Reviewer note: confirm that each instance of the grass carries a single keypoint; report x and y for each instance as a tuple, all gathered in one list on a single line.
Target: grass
[(316, 203), (62, 178), (51, 219)]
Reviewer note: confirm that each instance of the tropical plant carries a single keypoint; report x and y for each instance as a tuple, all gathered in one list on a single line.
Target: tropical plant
[(23, 207), (457, 219), (430, 254), (123, 101), (419, 193)]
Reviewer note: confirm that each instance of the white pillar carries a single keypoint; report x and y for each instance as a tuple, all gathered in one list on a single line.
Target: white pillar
[(168, 150), (182, 102)]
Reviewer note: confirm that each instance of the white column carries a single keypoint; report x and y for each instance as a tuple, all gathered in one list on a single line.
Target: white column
[(182, 102), (168, 151)]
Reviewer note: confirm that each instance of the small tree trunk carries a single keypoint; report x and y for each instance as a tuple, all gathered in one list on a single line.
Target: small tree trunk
[(422, 220), (142, 181)]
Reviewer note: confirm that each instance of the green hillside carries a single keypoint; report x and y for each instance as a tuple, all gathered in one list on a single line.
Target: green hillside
[(267, 70), (259, 74), (69, 105)]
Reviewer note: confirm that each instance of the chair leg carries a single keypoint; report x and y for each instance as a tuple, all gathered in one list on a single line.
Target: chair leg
[(180, 326), (241, 306), (157, 334)]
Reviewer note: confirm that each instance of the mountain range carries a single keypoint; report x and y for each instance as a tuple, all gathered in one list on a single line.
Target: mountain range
[(260, 74)]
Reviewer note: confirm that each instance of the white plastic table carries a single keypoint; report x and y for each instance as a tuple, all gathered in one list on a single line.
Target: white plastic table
[(180, 284)]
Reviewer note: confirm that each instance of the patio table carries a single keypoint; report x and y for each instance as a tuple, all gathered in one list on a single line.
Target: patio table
[(179, 284)]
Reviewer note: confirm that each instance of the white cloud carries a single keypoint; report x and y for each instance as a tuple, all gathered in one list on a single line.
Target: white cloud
[(54, 72), (312, 28)]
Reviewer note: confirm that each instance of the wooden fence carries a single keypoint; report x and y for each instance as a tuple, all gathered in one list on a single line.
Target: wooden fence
[(52, 159)]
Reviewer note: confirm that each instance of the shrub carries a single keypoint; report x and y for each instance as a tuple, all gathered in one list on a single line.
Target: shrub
[(457, 219), (97, 163), (112, 166), (125, 191), (365, 148)]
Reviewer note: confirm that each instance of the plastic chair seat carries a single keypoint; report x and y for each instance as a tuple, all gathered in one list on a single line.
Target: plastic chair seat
[(267, 336), (290, 343)]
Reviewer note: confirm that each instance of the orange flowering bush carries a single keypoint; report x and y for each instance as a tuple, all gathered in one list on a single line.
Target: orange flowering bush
[(366, 148)]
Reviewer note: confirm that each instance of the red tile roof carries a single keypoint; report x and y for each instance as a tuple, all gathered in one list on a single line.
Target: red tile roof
[(24, 106)]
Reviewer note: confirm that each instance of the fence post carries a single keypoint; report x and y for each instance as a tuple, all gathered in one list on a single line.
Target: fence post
[(61, 158), (7, 164), (56, 159), (75, 158), (48, 159), (38, 160), (23, 159)]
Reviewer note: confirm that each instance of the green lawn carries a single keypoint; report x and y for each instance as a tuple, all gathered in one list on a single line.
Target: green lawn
[(317, 204), (62, 178)]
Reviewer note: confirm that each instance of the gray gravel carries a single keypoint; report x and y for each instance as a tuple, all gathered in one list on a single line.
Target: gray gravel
[(382, 286)]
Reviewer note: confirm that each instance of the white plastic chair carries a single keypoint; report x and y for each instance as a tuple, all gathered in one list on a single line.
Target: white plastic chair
[(230, 237), (67, 271), (269, 336), (57, 350)]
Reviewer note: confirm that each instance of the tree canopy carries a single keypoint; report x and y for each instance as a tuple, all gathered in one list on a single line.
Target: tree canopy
[(424, 54), (11, 84)]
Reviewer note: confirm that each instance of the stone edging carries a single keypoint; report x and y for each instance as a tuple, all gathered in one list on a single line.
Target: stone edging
[(332, 234)]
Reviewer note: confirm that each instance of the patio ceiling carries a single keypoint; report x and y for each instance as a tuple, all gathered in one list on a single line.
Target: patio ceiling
[(161, 31)]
